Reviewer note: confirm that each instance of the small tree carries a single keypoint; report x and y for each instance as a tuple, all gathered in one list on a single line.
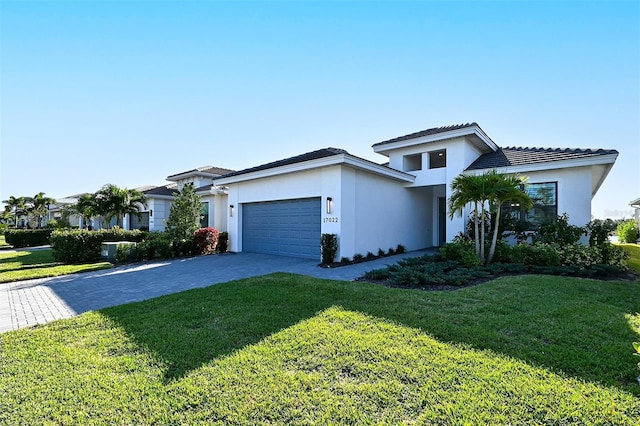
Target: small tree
[(185, 214)]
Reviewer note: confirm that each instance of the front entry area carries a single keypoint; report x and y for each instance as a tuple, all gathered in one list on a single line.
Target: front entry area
[(286, 227)]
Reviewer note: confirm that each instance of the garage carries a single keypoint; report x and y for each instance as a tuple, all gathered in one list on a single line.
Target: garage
[(286, 227)]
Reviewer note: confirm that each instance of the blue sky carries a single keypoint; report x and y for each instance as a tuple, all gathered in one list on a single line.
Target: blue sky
[(131, 92)]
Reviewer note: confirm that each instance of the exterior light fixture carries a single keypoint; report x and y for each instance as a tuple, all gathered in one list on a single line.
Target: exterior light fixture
[(329, 204), (231, 210)]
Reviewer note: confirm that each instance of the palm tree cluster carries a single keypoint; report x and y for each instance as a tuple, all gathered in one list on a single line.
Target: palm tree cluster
[(487, 193), (34, 208), (108, 202)]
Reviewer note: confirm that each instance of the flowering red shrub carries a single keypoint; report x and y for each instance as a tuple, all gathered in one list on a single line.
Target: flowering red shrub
[(206, 240)]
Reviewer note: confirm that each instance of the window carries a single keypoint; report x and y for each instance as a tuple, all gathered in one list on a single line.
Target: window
[(545, 206), (438, 159), (411, 163), (204, 215)]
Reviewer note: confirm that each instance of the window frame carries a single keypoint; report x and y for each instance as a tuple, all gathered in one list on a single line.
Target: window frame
[(441, 156), (523, 216)]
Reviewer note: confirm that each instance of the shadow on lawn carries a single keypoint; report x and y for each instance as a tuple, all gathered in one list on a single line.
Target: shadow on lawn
[(575, 327)]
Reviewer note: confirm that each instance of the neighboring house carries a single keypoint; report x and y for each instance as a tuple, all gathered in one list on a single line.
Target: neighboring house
[(283, 207), (636, 209), (159, 199)]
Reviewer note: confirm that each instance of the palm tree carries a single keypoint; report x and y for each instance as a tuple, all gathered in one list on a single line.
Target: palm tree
[(39, 206), (117, 202), (86, 206), (505, 188), (17, 207), (467, 189), (490, 188)]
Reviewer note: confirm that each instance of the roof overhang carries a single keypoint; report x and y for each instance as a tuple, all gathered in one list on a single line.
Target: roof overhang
[(190, 174), (601, 165), (635, 203), (334, 160), (474, 134)]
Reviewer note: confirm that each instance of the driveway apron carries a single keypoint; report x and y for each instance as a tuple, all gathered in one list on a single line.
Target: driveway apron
[(27, 303)]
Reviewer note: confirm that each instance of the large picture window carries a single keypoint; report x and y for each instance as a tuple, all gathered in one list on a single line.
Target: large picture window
[(545, 206)]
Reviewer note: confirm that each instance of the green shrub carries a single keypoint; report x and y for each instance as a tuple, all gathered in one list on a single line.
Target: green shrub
[(538, 254), (344, 259), (206, 240), (391, 251), (559, 232), (125, 252), (599, 231), (461, 250), (223, 242), (357, 258), (185, 247), (81, 245), (27, 237), (380, 252), (628, 231), (329, 246), (370, 256), (400, 249)]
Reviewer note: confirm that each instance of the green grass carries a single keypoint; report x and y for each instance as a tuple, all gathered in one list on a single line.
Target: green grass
[(25, 265), (290, 349), (3, 242), (634, 256)]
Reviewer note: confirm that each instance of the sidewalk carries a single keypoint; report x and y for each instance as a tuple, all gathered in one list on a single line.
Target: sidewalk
[(26, 303)]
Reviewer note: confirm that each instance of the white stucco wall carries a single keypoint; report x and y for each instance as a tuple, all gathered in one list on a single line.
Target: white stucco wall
[(368, 212), (160, 209)]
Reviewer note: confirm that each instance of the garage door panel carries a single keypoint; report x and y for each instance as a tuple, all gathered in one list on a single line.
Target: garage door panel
[(290, 227)]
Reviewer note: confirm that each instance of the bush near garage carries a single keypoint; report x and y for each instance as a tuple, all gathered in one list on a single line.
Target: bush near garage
[(27, 237), (206, 240), (628, 231)]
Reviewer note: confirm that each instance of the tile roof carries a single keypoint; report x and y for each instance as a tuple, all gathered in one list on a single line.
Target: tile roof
[(517, 156), (162, 190), (204, 169), (314, 155), (428, 132)]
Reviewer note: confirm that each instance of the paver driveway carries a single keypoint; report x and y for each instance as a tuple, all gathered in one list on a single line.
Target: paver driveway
[(26, 303)]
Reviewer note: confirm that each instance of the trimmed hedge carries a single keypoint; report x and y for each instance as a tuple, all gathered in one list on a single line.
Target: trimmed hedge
[(81, 245), (27, 237)]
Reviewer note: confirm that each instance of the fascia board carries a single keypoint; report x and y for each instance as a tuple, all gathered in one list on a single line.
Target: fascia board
[(635, 203), (314, 164), (160, 197), (177, 177), (552, 165), (378, 169), (438, 137)]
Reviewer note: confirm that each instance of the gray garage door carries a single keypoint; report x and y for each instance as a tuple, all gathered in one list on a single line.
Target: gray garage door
[(289, 227)]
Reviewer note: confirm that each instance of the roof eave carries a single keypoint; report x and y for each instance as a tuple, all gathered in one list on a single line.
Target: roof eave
[(607, 159), (635, 203), (477, 136), (333, 160)]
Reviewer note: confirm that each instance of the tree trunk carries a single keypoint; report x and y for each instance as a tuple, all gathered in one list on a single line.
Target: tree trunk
[(494, 240), (475, 226)]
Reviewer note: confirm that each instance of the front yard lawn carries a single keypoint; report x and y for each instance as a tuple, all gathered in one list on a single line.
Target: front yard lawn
[(634, 256), (26, 265), (289, 349)]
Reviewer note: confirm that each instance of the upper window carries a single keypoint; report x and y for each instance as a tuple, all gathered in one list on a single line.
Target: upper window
[(545, 206), (411, 163), (438, 159)]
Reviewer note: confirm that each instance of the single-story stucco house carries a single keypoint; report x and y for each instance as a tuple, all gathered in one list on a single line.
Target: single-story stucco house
[(284, 206)]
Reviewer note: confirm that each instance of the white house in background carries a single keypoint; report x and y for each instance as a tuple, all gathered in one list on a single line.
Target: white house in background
[(160, 198), (636, 209), (283, 207)]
